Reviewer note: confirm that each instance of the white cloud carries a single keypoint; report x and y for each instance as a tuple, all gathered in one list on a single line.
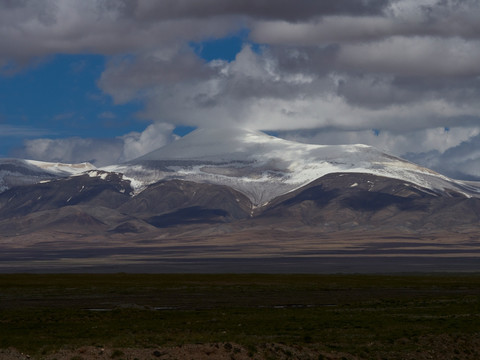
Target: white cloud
[(72, 150), (136, 144), (99, 152), (400, 143)]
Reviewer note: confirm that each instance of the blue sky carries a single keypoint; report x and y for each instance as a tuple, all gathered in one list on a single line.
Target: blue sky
[(104, 81), (59, 97)]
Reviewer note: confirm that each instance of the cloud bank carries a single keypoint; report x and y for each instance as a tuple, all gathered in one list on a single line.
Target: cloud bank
[(403, 75), (99, 152)]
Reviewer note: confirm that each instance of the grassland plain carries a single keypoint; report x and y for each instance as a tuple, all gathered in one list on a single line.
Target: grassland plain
[(225, 316)]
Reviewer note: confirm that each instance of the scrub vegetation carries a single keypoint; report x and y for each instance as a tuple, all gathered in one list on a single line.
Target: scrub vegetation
[(263, 316)]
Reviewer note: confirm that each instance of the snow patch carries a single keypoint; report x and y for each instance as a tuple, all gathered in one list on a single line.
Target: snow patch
[(100, 174), (62, 168)]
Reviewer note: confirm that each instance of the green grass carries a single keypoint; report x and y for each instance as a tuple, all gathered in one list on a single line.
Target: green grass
[(358, 314)]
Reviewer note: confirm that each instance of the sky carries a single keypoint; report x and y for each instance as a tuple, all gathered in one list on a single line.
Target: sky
[(107, 81)]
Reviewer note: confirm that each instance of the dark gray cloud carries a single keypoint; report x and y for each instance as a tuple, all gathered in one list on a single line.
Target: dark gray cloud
[(400, 90), (31, 28), (414, 56), (407, 18), (39, 29), (461, 161), (265, 9)]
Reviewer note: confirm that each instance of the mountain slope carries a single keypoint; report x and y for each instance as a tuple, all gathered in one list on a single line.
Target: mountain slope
[(108, 190), (171, 196), (346, 201), (17, 172)]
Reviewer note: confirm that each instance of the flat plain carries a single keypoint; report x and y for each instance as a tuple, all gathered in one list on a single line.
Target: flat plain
[(242, 316)]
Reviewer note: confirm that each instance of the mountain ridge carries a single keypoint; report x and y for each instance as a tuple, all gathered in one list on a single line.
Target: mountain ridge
[(264, 167)]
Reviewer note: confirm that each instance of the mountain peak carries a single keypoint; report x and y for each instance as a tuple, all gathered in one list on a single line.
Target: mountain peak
[(213, 144)]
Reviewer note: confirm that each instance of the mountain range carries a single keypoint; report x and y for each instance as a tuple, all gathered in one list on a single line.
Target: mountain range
[(236, 200)]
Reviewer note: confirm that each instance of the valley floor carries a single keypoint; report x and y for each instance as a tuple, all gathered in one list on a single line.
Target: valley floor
[(250, 316), (235, 250)]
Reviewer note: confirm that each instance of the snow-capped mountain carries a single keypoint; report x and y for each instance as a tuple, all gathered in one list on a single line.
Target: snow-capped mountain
[(237, 194), (264, 167)]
